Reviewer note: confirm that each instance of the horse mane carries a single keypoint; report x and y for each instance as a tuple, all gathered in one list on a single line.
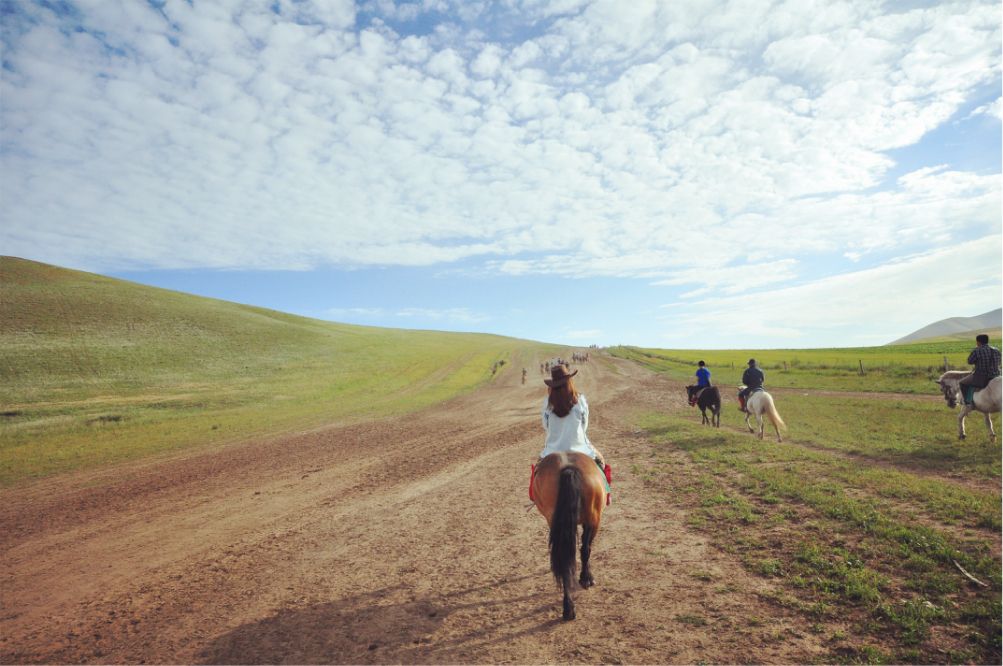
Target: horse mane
[(954, 374)]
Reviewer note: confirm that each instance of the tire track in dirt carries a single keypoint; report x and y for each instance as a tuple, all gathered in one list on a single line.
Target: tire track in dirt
[(396, 541)]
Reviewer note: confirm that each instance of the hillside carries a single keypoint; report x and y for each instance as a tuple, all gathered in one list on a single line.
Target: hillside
[(157, 370), (956, 328)]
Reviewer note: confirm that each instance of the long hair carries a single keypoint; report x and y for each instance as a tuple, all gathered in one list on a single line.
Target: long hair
[(563, 398)]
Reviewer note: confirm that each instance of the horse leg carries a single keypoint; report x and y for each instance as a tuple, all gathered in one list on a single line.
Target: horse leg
[(762, 424), (716, 416), (569, 603), (703, 412), (961, 421), (747, 424), (585, 579), (989, 425)]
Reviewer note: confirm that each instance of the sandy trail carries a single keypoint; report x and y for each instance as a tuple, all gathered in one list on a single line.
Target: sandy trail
[(406, 540)]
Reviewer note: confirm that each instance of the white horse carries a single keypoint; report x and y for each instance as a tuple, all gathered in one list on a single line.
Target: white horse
[(987, 400), (757, 404)]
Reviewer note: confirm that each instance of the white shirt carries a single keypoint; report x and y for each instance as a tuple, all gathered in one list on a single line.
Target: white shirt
[(567, 433)]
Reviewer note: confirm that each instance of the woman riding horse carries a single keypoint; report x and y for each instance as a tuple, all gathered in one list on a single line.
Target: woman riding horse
[(568, 487)]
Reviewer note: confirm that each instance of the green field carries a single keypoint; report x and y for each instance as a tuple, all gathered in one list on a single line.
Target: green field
[(905, 368), (864, 513), (97, 370)]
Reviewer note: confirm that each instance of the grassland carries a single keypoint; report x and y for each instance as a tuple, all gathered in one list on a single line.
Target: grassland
[(866, 510), (907, 368), (96, 370)]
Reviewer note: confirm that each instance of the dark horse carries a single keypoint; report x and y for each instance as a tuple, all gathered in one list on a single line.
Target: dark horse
[(704, 397), (569, 490)]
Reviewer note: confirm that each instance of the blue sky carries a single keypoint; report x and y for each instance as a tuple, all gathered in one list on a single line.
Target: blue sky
[(686, 174)]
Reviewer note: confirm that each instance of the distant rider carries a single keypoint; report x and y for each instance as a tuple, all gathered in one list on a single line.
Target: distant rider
[(986, 360), (753, 378), (703, 375)]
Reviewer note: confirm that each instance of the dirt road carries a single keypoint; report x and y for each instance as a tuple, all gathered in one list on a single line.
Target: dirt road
[(399, 541)]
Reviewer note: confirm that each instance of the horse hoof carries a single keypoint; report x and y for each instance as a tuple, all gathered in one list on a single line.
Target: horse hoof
[(586, 583), (567, 617)]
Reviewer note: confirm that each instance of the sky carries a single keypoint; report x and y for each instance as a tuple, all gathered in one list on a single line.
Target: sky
[(691, 174)]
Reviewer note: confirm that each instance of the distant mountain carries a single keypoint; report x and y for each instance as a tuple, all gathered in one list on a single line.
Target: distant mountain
[(957, 326)]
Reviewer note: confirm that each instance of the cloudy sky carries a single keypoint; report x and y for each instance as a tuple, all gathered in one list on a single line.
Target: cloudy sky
[(673, 174)]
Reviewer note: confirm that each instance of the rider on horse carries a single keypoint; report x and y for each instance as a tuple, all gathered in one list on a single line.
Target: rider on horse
[(703, 382), (566, 417), (703, 375), (986, 360), (753, 379)]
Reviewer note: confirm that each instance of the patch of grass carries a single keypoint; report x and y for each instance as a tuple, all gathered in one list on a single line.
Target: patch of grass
[(899, 369), (693, 620), (844, 536), (154, 370)]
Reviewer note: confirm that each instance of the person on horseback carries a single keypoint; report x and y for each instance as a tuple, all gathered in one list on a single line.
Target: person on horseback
[(566, 417), (703, 375), (986, 360), (753, 378)]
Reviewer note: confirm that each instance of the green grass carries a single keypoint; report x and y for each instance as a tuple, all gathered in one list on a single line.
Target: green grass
[(96, 370), (862, 539), (899, 369)]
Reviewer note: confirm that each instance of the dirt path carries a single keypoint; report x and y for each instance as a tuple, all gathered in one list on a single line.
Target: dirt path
[(398, 541)]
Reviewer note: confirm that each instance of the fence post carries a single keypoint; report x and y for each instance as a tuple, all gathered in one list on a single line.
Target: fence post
[(945, 364), (861, 366)]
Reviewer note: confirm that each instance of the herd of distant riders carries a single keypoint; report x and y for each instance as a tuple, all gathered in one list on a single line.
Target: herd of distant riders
[(570, 482)]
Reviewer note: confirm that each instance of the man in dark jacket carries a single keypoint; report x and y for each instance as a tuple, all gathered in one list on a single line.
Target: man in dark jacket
[(753, 378), (986, 360)]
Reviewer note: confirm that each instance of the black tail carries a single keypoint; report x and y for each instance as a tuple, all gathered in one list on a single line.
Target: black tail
[(564, 527)]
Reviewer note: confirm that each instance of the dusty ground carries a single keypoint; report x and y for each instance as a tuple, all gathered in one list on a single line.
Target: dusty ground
[(400, 541)]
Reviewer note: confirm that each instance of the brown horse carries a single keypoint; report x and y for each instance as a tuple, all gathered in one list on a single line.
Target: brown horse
[(569, 490)]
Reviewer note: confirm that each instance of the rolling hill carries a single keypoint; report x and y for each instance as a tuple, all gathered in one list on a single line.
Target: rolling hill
[(957, 328), (154, 370)]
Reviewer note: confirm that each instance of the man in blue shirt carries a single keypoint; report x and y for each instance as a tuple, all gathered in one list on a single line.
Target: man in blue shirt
[(703, 375)]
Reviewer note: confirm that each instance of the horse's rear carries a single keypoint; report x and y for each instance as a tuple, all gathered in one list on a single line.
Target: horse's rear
[(759, 403), (569, 490)]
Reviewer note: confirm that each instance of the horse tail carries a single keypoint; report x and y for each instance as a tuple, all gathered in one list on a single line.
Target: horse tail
[(715, 395), (771, 411), (564, 526)]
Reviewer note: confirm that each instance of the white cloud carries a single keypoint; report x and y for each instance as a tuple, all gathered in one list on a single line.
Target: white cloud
[(859, 307), (702, 145), (994, 109)]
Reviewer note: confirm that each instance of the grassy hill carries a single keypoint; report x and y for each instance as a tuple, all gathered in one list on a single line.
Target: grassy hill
[(968, 337), (96, 369), (956, 328)]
